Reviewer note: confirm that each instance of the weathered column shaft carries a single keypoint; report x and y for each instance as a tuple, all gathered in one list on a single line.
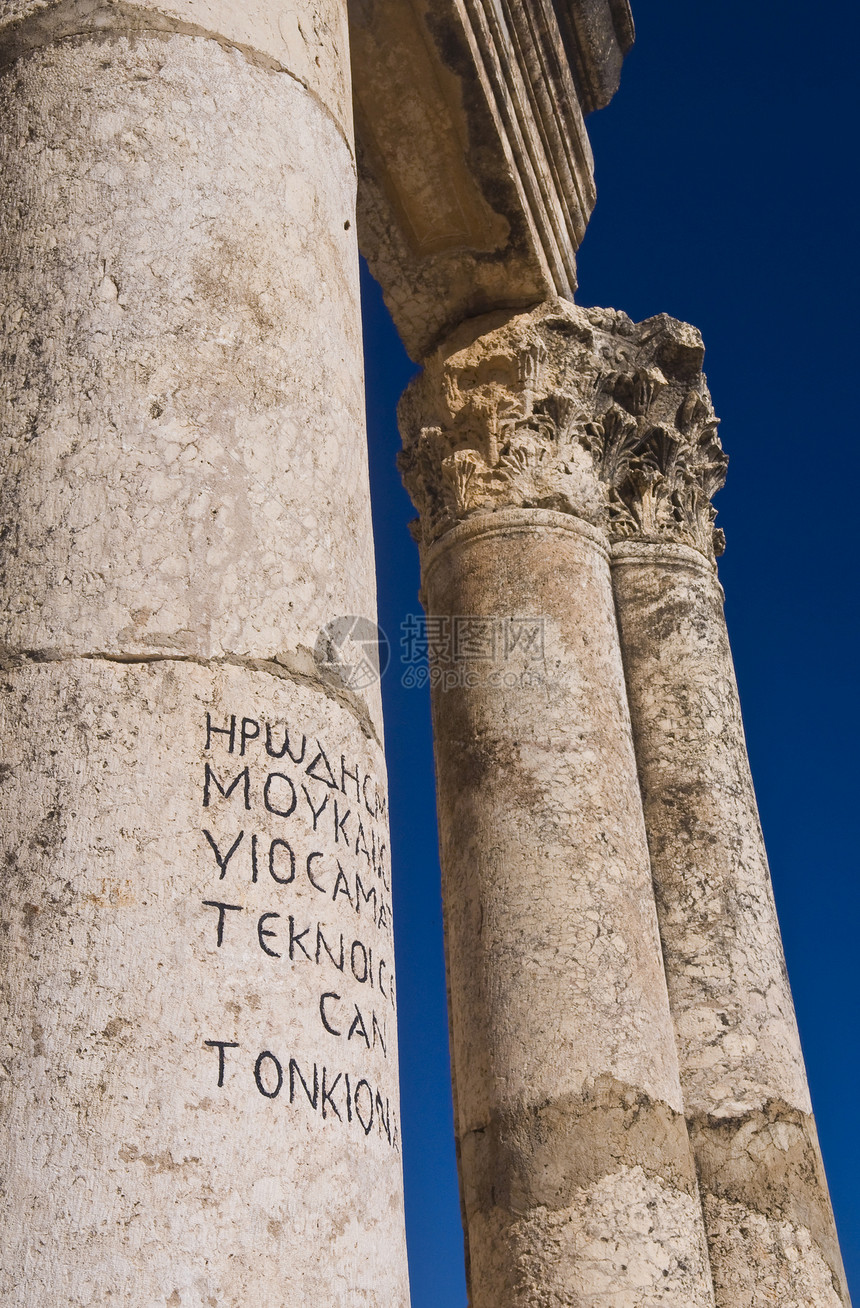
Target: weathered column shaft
[(770, 1226), (576, 1171), (198, 1089)]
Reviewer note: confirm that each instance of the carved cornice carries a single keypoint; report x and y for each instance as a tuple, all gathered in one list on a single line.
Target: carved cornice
[(476, 179), (581, 411), (597, 35)]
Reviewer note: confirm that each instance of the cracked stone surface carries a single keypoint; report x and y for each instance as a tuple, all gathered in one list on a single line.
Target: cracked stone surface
[(130, 1174), (533, 444), (185, 506), (184, 346), (576, 1169), (770, 1224), (303, 40)]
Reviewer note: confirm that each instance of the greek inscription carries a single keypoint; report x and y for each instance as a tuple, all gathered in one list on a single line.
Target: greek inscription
[(328, 997), (282, 880), (228, 731), (242, 733), (262, 932), (321, 761), (221, 1045), (297, 1075), (269, 1061), (227, 789), (340, 832), (356, 1100), (223, 910), (285, 747), (328, 1094), (223, 859), (322, 943), (334, 1020), (284, 794), (353, 775), (316, 837), (250, 731), (316, 813), (309, 1086)]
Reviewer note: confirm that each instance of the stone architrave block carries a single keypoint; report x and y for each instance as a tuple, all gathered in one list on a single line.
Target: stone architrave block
[(476, 175)]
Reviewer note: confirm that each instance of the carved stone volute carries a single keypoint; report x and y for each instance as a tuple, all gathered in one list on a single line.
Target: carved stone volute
[(578, 410)]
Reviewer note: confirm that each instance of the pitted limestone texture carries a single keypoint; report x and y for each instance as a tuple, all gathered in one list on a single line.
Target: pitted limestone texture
[(567, 1100), (581, 411), (184, 469), (764, 1169), (777, 1261), (742, 1072), (304, 40), (199, 1091), (650, 1265)]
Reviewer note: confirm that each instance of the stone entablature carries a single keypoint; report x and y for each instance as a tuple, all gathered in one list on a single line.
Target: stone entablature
[(597, 34), (476, 174), (577, 410)]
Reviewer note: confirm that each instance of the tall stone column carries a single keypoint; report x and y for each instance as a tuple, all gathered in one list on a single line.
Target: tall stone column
[(198, 1080), (770, 1226), (577, 1177)]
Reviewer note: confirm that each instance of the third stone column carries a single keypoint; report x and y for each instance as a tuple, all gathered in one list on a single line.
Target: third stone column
[(770, 1226), (577, 1178)]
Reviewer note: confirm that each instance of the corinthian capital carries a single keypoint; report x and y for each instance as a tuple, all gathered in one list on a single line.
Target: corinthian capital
[(578, 410)]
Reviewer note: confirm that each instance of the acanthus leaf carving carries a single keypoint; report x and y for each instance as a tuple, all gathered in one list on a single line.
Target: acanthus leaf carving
[(578, 410)]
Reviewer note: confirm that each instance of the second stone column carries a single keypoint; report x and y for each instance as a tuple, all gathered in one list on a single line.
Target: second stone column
[(576, 1172)]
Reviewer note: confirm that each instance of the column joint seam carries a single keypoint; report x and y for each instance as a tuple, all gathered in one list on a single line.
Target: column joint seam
[(28, 35), (10, 660)]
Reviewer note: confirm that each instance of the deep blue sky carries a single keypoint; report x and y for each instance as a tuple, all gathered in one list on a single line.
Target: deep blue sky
[(726, 170)]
